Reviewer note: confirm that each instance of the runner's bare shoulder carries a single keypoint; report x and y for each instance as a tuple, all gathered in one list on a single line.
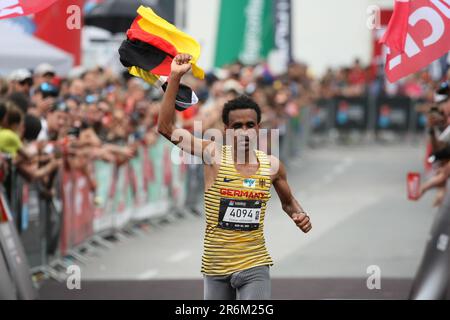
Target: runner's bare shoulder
[(275, 165), (212, 153)]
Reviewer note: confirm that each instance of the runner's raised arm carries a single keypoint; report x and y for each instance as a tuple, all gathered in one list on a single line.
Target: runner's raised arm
[(179, 136)]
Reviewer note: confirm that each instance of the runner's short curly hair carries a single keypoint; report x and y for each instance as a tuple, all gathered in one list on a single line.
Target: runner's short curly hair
[(239, 103)]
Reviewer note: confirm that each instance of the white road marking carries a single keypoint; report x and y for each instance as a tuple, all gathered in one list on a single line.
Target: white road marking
[(148, 274), (179, 256)]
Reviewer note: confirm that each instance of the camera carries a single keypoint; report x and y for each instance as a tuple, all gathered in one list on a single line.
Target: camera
[(443, 154), (74, 131)]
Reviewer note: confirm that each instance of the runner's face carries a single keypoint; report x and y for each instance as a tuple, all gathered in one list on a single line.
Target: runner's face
[(244, 123)]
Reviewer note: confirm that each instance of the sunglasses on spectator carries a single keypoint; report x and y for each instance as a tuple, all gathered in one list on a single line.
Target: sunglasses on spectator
[(27, 81)]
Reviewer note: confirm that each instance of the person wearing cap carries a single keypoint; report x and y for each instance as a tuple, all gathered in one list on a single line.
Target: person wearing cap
[(21, 80), (43, 100), (44, 72), (439, 116)]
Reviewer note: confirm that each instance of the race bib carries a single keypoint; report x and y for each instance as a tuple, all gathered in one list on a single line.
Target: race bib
[(240, 215)]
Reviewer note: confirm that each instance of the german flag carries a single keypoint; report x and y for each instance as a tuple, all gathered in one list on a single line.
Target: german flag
[(157, 42), (186, 97), (151, 45)]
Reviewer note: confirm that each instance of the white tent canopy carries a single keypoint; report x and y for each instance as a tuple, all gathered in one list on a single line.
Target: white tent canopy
[(21, 50)]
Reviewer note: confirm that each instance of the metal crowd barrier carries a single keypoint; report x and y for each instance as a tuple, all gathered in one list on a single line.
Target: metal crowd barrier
[(149, 186)]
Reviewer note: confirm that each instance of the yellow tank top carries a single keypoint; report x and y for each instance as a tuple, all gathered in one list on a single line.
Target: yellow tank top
[(235, 207)]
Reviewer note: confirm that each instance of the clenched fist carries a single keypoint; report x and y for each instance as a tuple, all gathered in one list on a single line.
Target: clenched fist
[(181, 64), (302, 221)]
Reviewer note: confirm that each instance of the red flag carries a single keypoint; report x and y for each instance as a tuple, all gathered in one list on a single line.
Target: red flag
[(15, 8), (418, 34), (395, 34), (52, 27)]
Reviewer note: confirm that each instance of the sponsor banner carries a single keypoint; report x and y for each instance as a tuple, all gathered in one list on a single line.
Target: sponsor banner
[(145, 187), (282, 51), (83, 208), (351, 113), (158, 190), (420, 121), (78, 209), (393, 113), (249, 26), (321, 116)]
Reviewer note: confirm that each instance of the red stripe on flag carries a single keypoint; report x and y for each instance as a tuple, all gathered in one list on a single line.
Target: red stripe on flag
[(397, 29), (163, 69), (137, 33)]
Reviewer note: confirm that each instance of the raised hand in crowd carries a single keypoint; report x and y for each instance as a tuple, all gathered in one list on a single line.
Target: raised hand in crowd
[(437, 181)]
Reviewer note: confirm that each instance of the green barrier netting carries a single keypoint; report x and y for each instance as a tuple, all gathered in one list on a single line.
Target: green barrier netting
[(150, 185)]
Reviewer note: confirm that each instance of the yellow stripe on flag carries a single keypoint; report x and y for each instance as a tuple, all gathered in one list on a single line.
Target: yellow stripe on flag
[(154, 24), (148, 77)]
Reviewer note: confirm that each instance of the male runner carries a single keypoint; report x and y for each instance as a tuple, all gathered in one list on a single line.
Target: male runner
[(235, 261)]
